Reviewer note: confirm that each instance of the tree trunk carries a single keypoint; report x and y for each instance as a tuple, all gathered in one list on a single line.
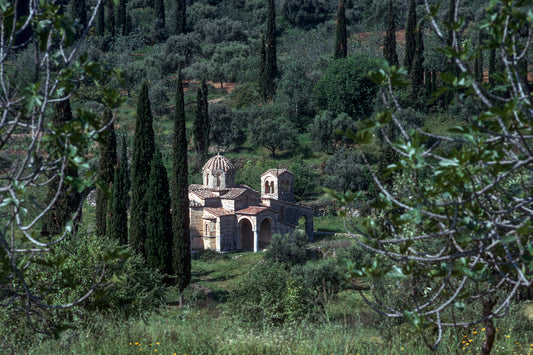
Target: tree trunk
[(181, 299), (490, 331)]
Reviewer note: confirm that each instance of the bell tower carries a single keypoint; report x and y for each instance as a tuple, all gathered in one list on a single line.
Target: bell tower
[(278, 184)]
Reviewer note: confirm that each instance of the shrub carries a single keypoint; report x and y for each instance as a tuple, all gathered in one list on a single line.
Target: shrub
[(289, 249), (267, 296)]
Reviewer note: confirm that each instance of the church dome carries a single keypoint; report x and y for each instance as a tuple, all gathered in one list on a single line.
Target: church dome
[(218, 172)]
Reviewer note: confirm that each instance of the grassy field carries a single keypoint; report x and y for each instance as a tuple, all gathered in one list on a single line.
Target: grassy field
[(206, 325)]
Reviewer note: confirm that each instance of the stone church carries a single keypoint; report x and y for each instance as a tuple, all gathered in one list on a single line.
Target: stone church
[(228, 217)]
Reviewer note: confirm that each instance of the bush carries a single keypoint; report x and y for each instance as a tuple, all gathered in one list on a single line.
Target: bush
[(324, 278), (289, 249), (267, 296), (345, 171), (129, 289)]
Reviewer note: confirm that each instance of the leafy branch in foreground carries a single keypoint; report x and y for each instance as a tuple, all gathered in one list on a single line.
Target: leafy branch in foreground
[(455, 235), (37, 153)]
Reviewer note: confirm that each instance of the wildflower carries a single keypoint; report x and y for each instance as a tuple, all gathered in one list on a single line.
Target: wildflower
[(401, 349), (156, 343), (136, 343), (482, 329), (155, 350), (130, 342), (475, 333), (507, 336), (464, 348), (463, 342)]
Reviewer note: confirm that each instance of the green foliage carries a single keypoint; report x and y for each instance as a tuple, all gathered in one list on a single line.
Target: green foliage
[(117, 227), (305, 178), (181, 243), (108, 159), (305, 14), (250, 173), (180, 17), (269, 66), (341, 38), (389, 42), (273, 132), (143, 152), (410, 36), (345, 87), (178, 52), (290, 249), (62, 200), (158, 242), (226, 128), (130, 289), (267, 296), (452, 231), (325, 131), (345, 171), (201, 124)]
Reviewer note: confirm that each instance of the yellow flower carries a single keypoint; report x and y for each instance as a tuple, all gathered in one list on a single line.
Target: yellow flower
[(464, 348), (463, 342), (155, 350), (507, 336), (156, 343), (130, 343), (475, 333), (482, 329), (136, 343), (401, 349)]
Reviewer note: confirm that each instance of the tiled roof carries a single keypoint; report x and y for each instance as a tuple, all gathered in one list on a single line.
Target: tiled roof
[(252, 210), (218, 162), (218, 211), (276, 172), (235, 192), (201, 191)]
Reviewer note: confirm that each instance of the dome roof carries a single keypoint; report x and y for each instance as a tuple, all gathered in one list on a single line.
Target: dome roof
[(218, 163)]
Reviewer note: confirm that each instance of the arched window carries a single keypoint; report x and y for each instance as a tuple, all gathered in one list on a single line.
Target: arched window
[(267, 187), (207, 229), (207, 179), (218, 180), (272, 187)]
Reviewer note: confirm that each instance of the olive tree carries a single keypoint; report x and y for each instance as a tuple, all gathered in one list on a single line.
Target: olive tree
[(454, 240), (37, 153)]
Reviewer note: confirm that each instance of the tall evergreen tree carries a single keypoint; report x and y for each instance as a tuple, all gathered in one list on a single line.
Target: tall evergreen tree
[(79, 12), (417, 70), (100, 20), (270, 69), (341, 38), (181, 244), (68, 199), (158, 245), (111, 25), (389, 43), (117, 227), (121, 23), (106, 167), (180, 17), (410, 36), (143, 152), (159, 11), (201, 124)]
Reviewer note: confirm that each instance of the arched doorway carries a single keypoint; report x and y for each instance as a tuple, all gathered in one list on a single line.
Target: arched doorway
[(265, 233), (247, 235)]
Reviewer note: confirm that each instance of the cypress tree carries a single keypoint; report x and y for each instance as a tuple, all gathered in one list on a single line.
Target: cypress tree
[(108, 159), (100, 20), (159, 11), (478, 62), (270, 69), (410, 36), (117, 227), (68, 200), (341, 40), (143, 152), (180, 17), (417, 70), (79, 12), (122, 18), (181, 244), (111, 18), (201, 124), (158, 245), (389, 43)]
